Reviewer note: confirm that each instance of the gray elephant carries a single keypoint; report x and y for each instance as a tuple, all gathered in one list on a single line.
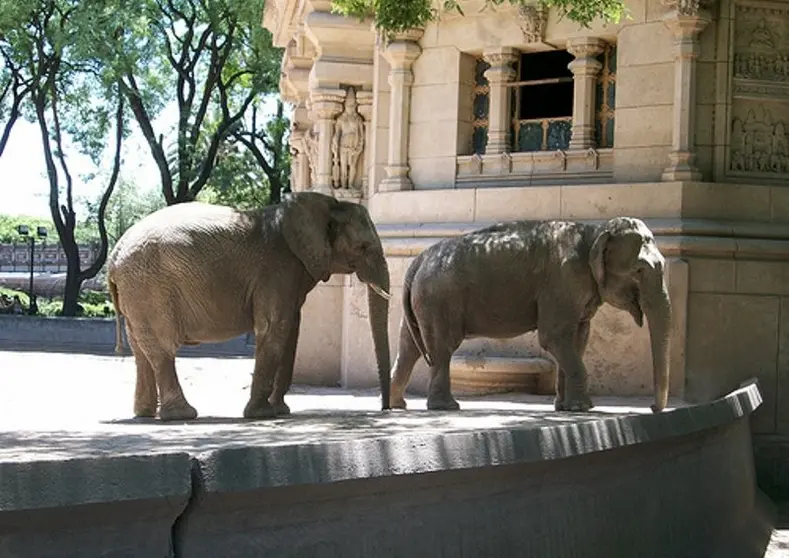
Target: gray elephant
[(511, 278), (196, 273)]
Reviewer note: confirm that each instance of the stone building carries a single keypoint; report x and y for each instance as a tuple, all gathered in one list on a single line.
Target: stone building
[(679, 115)]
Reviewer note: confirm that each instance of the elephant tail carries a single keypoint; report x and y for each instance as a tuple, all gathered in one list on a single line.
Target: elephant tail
[(118, 331), (408, 313)]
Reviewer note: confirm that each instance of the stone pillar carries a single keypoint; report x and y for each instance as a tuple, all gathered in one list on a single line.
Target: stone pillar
[(325, 105), (686, 20), (365, 108), (401, 53), (499, 74), (585, 69)]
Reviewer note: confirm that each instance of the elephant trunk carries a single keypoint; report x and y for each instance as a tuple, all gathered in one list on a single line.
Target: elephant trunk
[(376, 276), (657, 308)]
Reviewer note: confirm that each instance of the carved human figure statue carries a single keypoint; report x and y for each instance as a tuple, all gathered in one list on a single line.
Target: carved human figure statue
[(311, 142), (347, 144)]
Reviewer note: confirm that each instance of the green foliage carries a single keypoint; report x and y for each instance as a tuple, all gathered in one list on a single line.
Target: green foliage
[(127, 205), (93, 303), (393, 16), (208, 59), (253, 167)]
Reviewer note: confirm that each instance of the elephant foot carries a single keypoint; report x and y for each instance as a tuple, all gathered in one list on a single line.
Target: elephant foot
[(177, 411), (280, 407), (446, 403), (397, 402), (260, 410), (573, 404), (144, 412)]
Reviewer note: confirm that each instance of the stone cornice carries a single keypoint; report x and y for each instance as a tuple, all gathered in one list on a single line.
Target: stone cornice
[(281, 17), (675, 237)]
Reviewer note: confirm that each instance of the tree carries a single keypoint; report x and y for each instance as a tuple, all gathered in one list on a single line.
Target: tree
[(41, 37), (391, 16), (127, 205), (209, 60), (253, 167)]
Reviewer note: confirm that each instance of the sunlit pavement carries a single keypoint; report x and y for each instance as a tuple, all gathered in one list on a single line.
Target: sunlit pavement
[(54, 406)]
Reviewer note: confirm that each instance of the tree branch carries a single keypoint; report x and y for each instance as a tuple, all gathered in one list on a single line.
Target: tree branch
[(101, 257), (144, 121)]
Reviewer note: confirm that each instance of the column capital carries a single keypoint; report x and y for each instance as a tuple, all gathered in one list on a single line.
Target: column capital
[(403, 49), (585, 47), (501, 61), (325, 104), (686, 27)]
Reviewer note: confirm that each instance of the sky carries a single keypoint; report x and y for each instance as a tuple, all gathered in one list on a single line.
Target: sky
[(24, 187)]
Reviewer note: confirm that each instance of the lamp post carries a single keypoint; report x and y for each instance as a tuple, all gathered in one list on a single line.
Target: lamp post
[(24, 230)]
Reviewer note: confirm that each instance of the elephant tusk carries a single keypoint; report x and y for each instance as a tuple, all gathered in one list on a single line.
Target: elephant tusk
[(379, 291)]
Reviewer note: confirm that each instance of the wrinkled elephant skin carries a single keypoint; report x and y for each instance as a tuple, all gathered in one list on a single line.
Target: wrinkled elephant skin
[(511, 278), (198, 273)]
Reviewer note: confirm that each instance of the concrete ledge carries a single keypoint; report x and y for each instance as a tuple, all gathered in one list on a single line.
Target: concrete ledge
[(105, 506), (505, 476), (633, 485)]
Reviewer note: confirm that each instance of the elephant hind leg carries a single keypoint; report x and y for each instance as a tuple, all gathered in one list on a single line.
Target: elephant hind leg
[(407, 356), (173, 404), (145, 388), (442, 338)]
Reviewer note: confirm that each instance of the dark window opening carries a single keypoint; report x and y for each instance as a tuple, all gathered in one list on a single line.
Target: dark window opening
[(543, 107)]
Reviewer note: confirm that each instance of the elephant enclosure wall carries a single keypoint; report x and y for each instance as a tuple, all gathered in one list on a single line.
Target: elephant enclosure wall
[(338, 483)]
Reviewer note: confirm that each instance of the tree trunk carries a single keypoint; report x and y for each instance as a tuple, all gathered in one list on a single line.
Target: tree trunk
[(73, 276)]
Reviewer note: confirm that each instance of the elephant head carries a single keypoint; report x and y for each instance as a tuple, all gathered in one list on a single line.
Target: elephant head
[(331, 236), (629, 271)]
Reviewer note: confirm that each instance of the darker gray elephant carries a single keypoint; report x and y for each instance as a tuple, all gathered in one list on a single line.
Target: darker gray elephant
[(195, 273), (512, 278)]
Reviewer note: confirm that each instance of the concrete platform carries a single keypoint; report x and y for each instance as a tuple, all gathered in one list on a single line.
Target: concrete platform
[(505, 476)]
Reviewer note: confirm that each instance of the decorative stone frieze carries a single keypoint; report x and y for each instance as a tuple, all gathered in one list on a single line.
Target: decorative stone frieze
[(585, 69), (686, 20), (532, 20), (499, 74), (401, 52), (758, 136)]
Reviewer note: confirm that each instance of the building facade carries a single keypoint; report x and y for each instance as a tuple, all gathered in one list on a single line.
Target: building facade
[(678, 115)]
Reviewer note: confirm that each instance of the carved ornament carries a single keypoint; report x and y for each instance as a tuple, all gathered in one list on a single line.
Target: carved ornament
[(759, 143), (532, 20)]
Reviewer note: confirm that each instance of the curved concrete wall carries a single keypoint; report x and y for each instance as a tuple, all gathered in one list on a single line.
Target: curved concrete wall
[(680, 483)]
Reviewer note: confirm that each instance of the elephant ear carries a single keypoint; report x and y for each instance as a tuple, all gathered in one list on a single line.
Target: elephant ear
[(305, 225), (597, 257)]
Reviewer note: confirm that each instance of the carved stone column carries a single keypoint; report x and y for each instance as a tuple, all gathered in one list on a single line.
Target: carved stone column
[(685, 20), (585, 69), (401, 53), (365, 108), (325, 105), (499, 74)]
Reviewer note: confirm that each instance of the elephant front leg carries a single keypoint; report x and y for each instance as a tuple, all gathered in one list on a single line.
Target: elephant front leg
[(284, 377), (270, 342), (581, 340), (571, 394)]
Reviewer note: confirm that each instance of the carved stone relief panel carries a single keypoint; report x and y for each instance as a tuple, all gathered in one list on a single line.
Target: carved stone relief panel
[(758, 140)]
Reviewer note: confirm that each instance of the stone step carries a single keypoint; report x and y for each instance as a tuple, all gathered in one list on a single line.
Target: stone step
[(480, 375)]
